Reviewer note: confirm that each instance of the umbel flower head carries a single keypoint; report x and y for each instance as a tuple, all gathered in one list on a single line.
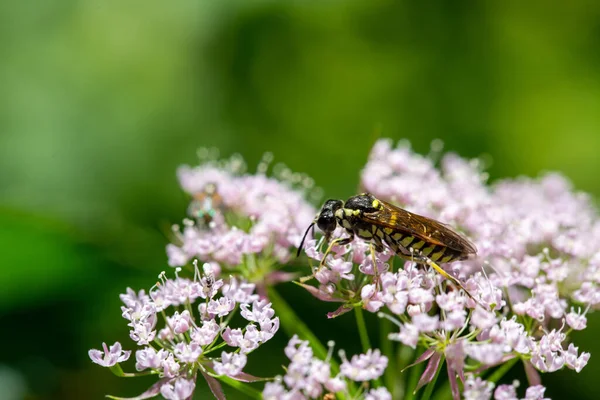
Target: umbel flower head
[(532, 282), (246, 224), (308, 377), (195, 336)]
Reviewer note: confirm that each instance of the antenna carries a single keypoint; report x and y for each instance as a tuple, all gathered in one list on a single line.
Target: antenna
[(312, 225)]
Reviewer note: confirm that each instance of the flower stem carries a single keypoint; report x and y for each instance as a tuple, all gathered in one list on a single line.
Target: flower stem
[(362, 329), (431, 385), (387, 348), (413, 379), (404, 355), (241, 387), (500, 372)]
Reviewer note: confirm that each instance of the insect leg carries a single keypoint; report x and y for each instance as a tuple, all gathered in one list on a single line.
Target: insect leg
[(421, 259), (336, 242), (378, 244), (431, 263), (372, 247)]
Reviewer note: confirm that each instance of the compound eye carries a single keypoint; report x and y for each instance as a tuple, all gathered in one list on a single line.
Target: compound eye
[(326, 223)]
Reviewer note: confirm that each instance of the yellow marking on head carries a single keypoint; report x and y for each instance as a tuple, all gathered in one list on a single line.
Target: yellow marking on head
[(446, 259), (339, 213), (388, 230), (407, 240), (347, 211), (376, 203), (356, 212), (428, 250), (436, 256), (418, 245)]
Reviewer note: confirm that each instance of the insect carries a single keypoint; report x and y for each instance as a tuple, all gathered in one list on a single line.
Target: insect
[(411, 236), (206, 203)]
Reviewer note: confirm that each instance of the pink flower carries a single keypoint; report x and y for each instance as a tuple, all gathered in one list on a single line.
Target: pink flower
[(187, 353), (149, 358), (365, 367), (111, 356), (180, 389), (477, 389), (180, 323), (231, 364)]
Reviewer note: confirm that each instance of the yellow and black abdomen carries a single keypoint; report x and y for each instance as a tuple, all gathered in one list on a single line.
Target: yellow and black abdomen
[(402, 243)]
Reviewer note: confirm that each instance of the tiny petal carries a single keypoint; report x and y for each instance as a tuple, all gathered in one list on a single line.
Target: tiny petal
[(365, 367), (573, 361), (171, 367), (409, 335), (477, 389), (149, 358), (425, 323), (187, 353), (207, 333), (111, 356), (483, 319), (576, 321), (273, 391), (231, 364), (378, 394), (336, 384), (369, 297), (220, 307), (506, 392), (535, 393), (181, 389)]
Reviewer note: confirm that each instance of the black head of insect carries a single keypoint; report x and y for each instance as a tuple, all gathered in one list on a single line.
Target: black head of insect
[(325, 220)]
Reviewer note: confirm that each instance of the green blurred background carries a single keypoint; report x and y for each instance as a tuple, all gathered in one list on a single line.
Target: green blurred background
[(101, 101)]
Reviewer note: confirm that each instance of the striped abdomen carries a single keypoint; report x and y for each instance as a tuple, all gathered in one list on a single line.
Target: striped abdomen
[(402, 243)]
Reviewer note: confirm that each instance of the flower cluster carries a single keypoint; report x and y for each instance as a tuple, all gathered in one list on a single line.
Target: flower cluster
[(479, 389), (308, 377), (243, 222), (189, 340), (534, 278)]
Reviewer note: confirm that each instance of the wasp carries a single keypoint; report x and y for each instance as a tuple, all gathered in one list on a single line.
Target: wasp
[(206, 203), (411, 236)]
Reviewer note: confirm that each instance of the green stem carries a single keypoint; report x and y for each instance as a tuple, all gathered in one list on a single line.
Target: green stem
[(241, 387), (210, 349), (387, 348), (444, 392), (362, 329), (500, 372), (431, 385), (404, 355), (413, 379), (118, 371)]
